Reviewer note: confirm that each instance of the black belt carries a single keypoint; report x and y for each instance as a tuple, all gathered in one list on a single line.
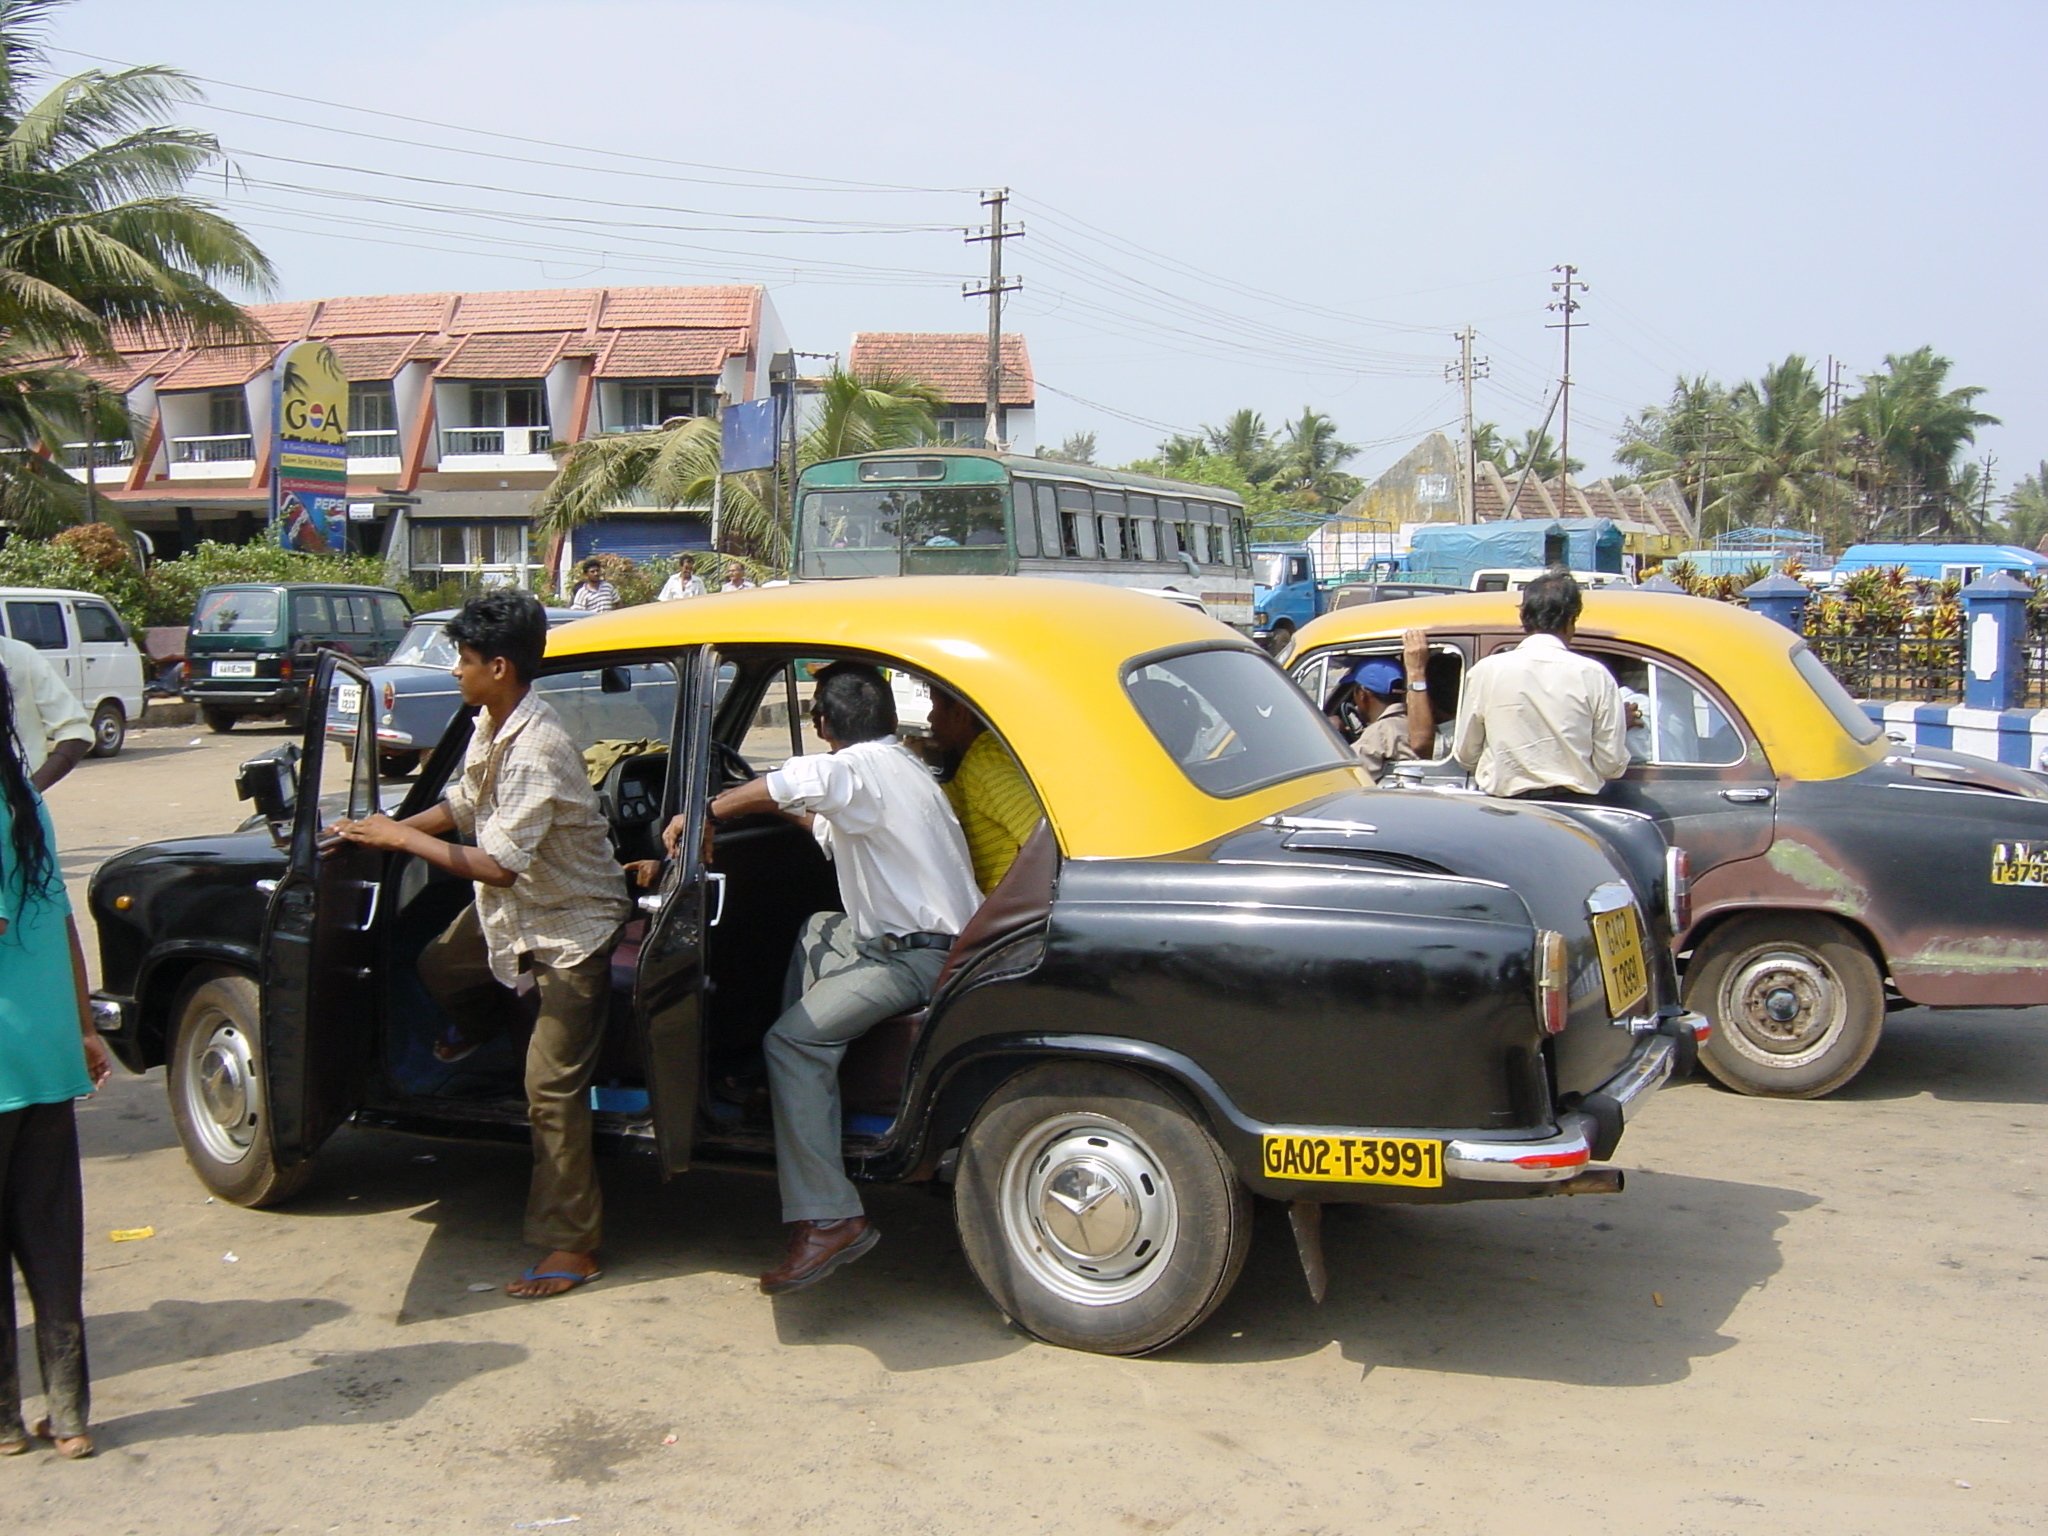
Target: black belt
[(922, 940)]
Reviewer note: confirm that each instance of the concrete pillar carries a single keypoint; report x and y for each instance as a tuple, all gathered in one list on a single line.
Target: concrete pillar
[(1994, 641), (1780, 598)]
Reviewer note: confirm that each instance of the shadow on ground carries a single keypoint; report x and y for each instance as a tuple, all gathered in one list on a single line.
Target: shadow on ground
[(1964, 1055)]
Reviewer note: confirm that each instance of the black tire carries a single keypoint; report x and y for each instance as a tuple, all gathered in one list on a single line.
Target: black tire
[(219, 721), (1796, 1002), (216, 1082), (1175, 1220), (398, 765), (109, 729), (294, 717), (1278, 638)]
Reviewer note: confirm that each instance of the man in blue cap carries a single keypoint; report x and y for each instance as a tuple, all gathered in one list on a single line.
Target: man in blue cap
[(1390, 702)]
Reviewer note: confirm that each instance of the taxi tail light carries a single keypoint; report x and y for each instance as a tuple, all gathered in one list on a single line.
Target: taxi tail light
[(1553, 976), (390, 695), (284, 667), (1678, 889)]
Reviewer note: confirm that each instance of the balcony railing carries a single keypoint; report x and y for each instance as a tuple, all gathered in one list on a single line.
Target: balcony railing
[(495, 442), (233, 448), (373, 445), (106, 455)]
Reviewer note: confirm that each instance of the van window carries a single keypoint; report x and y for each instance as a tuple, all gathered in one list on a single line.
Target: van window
[(310, 615), (236, 613), (38, 624), (98, 624), (393, 614), (354, 613)]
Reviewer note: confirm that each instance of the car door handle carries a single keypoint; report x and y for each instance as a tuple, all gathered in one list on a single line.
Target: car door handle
[(376, 890), (1747, 796)]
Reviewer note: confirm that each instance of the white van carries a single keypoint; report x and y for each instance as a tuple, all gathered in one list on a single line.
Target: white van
[(1514, 578), (84, 639)]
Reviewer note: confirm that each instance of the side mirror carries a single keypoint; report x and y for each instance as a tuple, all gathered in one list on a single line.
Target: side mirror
[(272, 782), (614, 680)]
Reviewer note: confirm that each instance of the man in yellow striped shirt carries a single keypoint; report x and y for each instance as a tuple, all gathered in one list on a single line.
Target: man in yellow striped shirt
[(994, 802)]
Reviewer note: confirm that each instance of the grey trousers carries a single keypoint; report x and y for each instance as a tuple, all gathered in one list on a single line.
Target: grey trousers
[(564, 1208), (42, 1231), (838, 989)]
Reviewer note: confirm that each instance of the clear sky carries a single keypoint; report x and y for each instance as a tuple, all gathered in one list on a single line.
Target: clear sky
[(1224, 205)]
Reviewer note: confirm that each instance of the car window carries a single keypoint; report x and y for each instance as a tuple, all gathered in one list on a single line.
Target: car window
[(1319, 678), (99, 624), (780, 727), (425, 645), (38, 624), (236, 613), (1232, 721), (309, 614), (1831, 693), (1671, 720), (624, 703)]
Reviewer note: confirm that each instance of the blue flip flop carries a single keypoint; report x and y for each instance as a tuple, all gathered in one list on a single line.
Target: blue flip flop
[(574, 1279)]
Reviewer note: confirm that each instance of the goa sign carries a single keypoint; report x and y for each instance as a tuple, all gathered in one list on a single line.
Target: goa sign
[(309, 492)]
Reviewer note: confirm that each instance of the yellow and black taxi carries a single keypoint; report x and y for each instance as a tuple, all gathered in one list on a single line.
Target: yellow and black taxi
[(1833, 873), (1223, 967)]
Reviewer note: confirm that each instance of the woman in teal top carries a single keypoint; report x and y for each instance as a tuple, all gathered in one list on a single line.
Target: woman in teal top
[(49, 1055)]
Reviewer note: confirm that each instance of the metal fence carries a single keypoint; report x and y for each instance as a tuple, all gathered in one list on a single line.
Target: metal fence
[(1886, 667)]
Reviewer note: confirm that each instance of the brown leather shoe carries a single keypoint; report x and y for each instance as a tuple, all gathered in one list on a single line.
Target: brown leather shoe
[(816, 1248)]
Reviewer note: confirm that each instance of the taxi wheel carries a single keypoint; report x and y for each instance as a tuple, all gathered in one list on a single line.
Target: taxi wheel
[(1098, 1213), (218, 721), (216, 1083), (1797, 1004)]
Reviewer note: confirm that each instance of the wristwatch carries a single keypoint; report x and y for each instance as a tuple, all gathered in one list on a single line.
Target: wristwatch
[(1419, 685)]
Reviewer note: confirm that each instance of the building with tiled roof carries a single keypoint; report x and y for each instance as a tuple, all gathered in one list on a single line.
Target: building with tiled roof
[(955, 363), (454, 402)]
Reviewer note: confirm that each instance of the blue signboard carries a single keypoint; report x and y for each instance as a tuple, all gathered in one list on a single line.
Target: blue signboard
[(747, 436)]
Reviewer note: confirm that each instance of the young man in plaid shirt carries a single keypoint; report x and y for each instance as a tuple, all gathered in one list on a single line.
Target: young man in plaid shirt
[(550, 901)]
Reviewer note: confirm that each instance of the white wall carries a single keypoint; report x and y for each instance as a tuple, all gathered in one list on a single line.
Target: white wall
[(411, 392)]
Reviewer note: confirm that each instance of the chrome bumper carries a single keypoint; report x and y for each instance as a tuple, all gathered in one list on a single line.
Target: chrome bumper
[(110, 1014), (1569, 1149)]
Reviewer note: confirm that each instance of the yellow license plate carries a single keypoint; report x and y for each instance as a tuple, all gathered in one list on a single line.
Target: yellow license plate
[(1621, 959), (1355, 1159)]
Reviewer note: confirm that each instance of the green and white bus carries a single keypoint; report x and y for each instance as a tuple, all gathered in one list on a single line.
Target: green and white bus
[(967, 511)]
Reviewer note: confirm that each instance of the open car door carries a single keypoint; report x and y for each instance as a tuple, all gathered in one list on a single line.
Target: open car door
[(321, 1000), (668, 992)]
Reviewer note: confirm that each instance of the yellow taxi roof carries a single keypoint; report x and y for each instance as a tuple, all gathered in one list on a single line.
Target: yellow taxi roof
[(1747, 655), (1041, 659)]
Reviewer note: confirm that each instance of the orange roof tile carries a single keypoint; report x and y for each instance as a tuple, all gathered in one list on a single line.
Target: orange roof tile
[(955, 363), (372, 357), (385, 315), (627, 308), (669, 353), (544, 309), (217, 368), (503, 357)]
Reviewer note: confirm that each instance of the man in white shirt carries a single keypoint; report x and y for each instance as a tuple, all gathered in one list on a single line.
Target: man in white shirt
[(736, 578), (49, 722), (1541, 721), (908, 886), (684, 583)]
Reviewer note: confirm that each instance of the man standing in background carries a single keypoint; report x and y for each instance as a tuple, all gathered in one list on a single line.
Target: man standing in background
[(1541, 721), (684, 583), (49, 722), (594, 594)]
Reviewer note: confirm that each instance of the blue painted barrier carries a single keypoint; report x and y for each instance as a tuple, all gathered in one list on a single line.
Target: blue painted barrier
[(2016, 736)]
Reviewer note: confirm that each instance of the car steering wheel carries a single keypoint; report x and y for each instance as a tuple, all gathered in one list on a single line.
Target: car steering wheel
[(731, 767)]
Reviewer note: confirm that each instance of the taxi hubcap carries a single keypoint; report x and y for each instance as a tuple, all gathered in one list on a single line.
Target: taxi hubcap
[(1088, 1209), (1787, 1005), (221, 1092)]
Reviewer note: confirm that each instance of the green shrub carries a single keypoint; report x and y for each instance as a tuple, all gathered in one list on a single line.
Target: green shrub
[(36, 563)]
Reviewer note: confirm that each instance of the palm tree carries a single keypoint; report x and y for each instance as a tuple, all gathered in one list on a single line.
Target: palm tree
[(677, 464), (1908, 432), (2026, 511), (1680, 441), (1244, 440), (1537, 453), (1309, 460), (1782, 460), (96, 229)]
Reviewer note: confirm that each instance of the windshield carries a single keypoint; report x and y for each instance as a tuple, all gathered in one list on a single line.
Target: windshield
[(425, 645), (1267, 570), (1851, 718), (236, 613), (904, 531), (1232, 720)]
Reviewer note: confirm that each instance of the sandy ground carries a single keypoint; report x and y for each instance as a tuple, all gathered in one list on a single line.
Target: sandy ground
[(1800, 1317)]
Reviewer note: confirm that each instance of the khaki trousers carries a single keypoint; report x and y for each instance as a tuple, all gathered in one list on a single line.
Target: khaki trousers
[(564, 1209)]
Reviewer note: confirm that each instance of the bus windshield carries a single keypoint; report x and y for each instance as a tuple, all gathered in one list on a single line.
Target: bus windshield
[(904, 530)]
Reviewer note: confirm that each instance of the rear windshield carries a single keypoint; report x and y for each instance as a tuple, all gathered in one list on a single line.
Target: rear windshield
[(1834, 695), (425, 645), (1232, 720), (236, 613)]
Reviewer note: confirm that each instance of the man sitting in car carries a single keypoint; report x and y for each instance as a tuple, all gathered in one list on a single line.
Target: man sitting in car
[(1384, 707), (994, 802), (908, 887)]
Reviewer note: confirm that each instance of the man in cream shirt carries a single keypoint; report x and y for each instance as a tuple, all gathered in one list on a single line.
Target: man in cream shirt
[(1540, 721), (49, 722), (908, 887)]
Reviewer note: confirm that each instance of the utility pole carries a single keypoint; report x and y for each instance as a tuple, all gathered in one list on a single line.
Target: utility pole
[(1464, 371), (1567, 306), (995, 233)]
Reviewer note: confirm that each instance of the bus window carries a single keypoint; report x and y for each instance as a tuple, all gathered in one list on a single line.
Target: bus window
[(1077, 523), (1147, 533), (1244, 542), (1172, 540), (904, 530), (1049, 540), (1198, 542), (1109, 514), (1224, 553), (1024, 517)]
